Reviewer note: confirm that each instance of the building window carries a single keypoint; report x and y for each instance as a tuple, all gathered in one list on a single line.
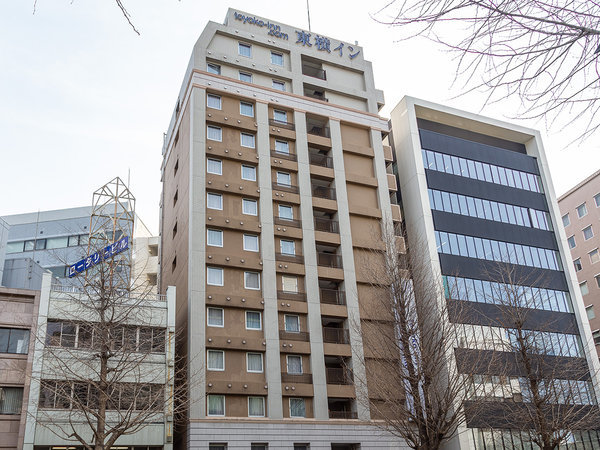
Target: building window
[(584, 288), (250, 243), (297, 408), (581, 210), (17, 247), (279, 85), (282, 147), (215, 360), (277, 58), (589, 310), (279, 116), (252, 280), (294, 364), (289, 284), (214, 201), (594, 256), (214, 276), (245, 76), (301, 446), (588, 233), (596, 336), (284, 179), (287, 247), (14, 340), (248, 172), (217, 446), (247, 140), (256, 407), (213, 101), (246, 109), (214, 166), (253, 321), (597, 278), (213, 68), (175, 197), (73, 241), (216, 405), (259, 446), (254, 362), (597, 200), (215, 317), (176, 167), (214, 238), (577, 264), (285, 212), (292, 323), (566, 221), (571, 241), (174, 230), (11, 400), (244, 49), (214, 133), (249, 207)]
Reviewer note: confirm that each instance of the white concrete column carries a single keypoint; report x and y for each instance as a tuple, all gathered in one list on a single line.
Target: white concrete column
[(269, 279), (317, 358), (351, 289)]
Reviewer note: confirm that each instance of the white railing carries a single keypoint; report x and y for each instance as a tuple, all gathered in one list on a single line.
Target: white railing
[(134, 295)]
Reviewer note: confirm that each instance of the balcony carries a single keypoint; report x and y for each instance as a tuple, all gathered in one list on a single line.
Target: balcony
[(333, 335), (318, 129), (326, 225), (341, 408), (296, 296), (294, 336), (329, 260), (285, 257), (314, 72), (338, 375), (317, 95), (323, 192), (285, 187), (332, 296), (283, 155), (296, 378), (281, 124), (321, 160), (287, 222)]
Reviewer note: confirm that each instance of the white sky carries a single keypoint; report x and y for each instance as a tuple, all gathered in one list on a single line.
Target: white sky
[(83, 98)]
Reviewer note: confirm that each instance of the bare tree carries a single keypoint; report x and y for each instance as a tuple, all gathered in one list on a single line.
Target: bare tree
[(545, 52)]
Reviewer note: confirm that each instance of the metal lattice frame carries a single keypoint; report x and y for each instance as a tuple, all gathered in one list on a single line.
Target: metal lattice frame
[(113, 215)]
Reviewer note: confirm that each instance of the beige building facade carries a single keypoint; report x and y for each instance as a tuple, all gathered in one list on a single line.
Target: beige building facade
[(276, 185)]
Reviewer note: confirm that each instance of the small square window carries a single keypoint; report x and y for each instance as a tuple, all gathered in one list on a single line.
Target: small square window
[(246, 109), (214, 133), (279, 85), (214, 166), (571, 241), (254, 362), (294, 364), (282, 147), (279, 116), (217, 446), (285, 212), (215, 317), (259, 446), (289, 284), (215, 360), (256, 406), (566, 221), (594, 256), (597, 278), (277, 58), (597, 200), (213, 68), (301, 446), (252, 280), (253, 320), (581, 210), (216, 406), (214, 201), (589, 310), (214, 238), (577, 264), (292, 323), (287, 247), (247, 140), (249, 207), (214, 276), (245, 76), (250, 242), (297, 408), (596, 336), (584, 288), (73, 242), (245, 49), (588, 233), (248, 172), (213, 101), (284, 179)]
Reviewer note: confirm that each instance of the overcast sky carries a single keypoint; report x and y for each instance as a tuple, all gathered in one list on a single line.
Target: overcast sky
[(83, 98)]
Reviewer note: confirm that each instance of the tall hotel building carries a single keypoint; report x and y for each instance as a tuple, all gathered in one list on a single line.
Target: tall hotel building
[(275, 183)]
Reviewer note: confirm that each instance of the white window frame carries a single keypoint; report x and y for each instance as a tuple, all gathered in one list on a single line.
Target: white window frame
[(596, 200), (245, 45), (278, 85), (242, 134), (586, 286), (214, 97), (208, 195), (249, 201), (287, 365), (590, 255), (220, 172), (257, 243), (208, 231), (222, 352), (577, 210), (281, 241), (209, 127), (208, 324), (263, 406), (279, 54), (290, 406), (290, 277), (208, 409), (574, 241), (285, 206), (285, 323), (583, 232), (214, 72), (247, 166), (568, 220), (208, 269), (259, 318), (289, 175), (247, 104), (248, 272), (262, 362), (245, 74), (280, 111)]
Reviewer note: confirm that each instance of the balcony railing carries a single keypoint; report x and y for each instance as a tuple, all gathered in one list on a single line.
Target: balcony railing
[(332, 296), (296, 378), (319, 130), (327, 225), (281, 124), (284, 155), (287, 222), (291, 336), (314, 72), (336, 335), (318, 159), (343, 415), (329, 260), (285, 257), (338, 375), (324, 192), (285, 187), (296, 296)]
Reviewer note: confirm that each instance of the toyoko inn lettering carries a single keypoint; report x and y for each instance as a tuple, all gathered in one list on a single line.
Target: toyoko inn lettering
[(274, 29)]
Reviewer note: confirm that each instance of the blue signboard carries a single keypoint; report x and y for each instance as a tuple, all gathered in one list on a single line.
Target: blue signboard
[(106, 253)]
